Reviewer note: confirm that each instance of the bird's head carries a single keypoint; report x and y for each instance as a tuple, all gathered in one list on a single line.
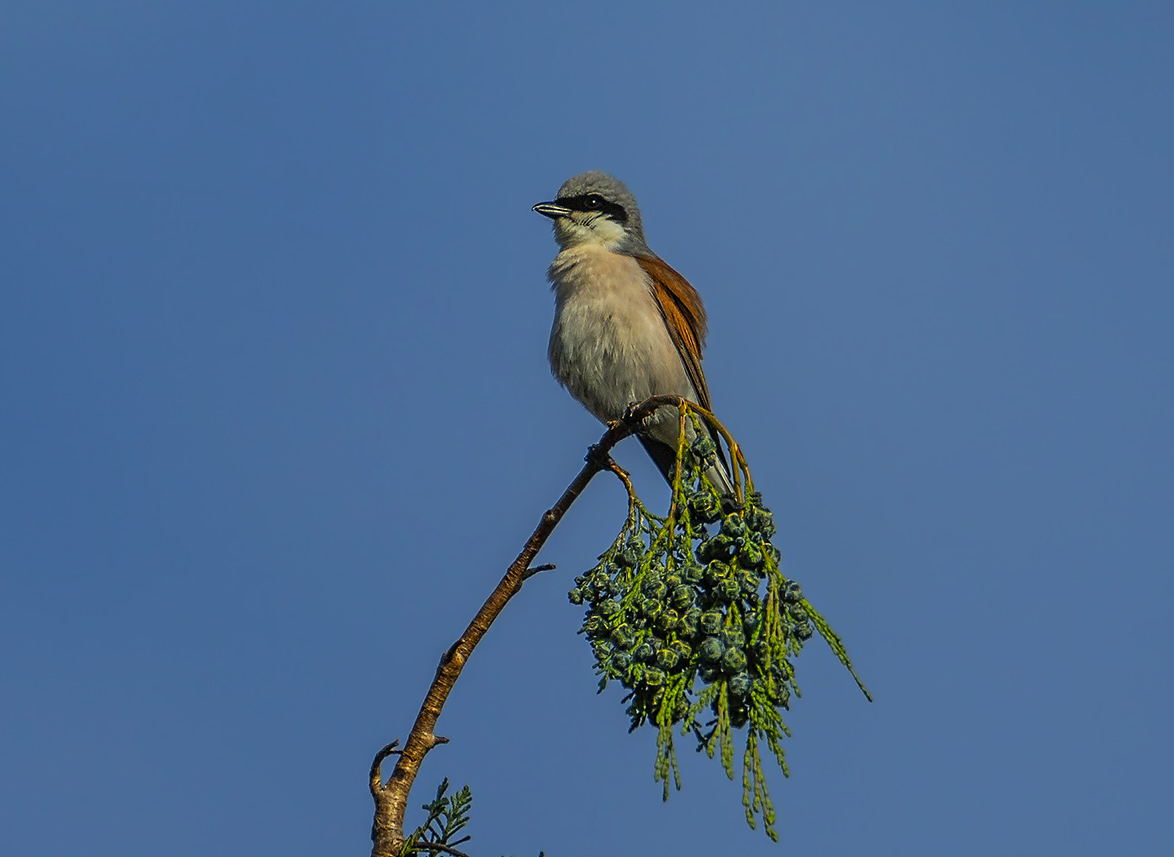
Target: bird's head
[(596, 208)]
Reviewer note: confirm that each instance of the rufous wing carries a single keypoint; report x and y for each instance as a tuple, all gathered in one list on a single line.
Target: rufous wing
[(685, 318)]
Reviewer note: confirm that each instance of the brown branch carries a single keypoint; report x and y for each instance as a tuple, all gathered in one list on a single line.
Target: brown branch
[(391, 798), (533, 570)]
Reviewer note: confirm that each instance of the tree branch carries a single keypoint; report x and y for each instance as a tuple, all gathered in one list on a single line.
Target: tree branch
[(391, 798)]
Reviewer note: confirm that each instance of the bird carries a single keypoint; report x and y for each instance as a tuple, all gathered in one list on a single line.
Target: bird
[(626, 325)]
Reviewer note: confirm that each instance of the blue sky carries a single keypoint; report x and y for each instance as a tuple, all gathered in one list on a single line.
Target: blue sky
[(276, 412)]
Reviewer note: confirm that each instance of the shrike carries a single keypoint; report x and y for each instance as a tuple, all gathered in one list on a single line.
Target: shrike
[(626, 325)]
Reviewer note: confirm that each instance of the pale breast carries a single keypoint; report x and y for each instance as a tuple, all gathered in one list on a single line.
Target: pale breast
[(609, 346)]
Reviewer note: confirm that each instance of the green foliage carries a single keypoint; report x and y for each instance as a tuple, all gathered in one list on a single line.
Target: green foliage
[(446, 817), (692, 615)]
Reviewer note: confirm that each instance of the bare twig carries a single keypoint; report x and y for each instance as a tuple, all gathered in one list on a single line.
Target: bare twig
[(391, 798), (534, 569), (376, 779)]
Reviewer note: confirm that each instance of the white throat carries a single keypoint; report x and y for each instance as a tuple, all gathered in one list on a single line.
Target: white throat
[(589, 229)]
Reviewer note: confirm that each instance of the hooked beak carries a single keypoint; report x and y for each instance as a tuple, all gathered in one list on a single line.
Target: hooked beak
[(552, 210)]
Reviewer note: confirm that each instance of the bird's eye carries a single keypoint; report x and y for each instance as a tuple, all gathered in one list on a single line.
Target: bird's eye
[(593, 201)]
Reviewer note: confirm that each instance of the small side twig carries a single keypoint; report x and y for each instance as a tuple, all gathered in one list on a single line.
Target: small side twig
[(380, 757), (535, 569), (391, 798)]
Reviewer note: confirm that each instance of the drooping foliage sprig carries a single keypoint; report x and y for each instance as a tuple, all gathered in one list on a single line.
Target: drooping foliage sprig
[(692, 615), (447, 816)]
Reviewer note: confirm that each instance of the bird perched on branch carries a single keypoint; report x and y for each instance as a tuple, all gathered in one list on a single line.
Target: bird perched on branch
[(626, 325)]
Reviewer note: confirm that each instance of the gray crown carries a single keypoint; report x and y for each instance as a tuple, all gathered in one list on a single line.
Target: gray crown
[(613, 190)]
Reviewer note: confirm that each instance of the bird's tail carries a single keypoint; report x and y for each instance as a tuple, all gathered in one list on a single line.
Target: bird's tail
[(665, 459)]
